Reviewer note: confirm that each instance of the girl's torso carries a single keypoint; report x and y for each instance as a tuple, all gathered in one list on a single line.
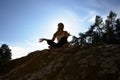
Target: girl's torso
[(59, 35)]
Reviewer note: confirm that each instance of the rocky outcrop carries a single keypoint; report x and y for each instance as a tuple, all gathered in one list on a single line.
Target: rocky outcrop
[(73, 63)]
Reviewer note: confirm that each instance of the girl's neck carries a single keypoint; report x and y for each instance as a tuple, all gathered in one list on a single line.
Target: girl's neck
[(60, 30)]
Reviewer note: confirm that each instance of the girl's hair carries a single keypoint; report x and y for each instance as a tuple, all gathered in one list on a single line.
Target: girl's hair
[(61, 25)]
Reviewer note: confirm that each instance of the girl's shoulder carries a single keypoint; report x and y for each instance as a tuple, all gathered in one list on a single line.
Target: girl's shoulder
[(65, 32)]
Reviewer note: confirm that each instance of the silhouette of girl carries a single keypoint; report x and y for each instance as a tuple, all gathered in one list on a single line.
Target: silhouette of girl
[(61, 36)]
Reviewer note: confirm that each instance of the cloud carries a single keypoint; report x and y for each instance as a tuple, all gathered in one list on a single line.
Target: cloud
[(117, 11), (101, 8), (103, 16), (92, 19), (1, 43), (91, 16), (19, 50), (73, 23)]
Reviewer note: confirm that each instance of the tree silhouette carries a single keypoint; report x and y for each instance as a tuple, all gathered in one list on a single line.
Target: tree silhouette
[(97, 30), (110, 27), (100, 32), (75, 41), (117, 31), (5, 54)]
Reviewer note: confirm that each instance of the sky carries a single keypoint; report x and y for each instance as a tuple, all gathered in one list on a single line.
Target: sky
[(23, 22)]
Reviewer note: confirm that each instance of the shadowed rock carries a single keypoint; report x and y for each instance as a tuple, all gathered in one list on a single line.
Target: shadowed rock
[(73, 63)]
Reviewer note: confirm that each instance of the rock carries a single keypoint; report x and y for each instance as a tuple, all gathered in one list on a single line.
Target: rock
[(73, 63)]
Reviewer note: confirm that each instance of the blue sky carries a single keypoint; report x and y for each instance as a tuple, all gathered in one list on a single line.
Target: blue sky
[(23, 22)]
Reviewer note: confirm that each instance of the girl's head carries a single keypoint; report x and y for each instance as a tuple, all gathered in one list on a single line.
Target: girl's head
[(60, 26)]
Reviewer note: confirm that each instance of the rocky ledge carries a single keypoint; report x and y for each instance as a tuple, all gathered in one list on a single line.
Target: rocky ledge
[(74, 63)]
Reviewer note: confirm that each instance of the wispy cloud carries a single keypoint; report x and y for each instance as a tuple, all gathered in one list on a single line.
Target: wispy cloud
[(73, 23), (77, 16), (19, 50), (102, 9)]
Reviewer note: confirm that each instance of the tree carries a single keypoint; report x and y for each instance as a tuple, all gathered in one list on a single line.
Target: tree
[(5, 54), (75, 41), (117, 31), (82, 38), (110, 27), (94, 34), (100, 32), (117, 26)]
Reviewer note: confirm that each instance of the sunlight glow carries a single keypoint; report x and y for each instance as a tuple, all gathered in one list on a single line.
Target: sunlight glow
[(70, 20), (55, 22), (65, 21)]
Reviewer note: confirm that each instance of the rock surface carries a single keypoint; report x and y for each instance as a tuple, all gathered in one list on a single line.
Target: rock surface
[(73, 63)]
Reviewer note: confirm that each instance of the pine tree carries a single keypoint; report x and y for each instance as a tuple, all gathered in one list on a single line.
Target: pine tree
[(117, 31), (110, 27), (5, 54), (94, 34), (75, 41), (82, 38), (100, 32)]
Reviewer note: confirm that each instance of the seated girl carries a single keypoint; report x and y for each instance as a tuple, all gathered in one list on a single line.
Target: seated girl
[(61, 36)]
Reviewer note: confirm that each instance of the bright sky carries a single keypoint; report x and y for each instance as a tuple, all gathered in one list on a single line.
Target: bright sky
[(23, 22)]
